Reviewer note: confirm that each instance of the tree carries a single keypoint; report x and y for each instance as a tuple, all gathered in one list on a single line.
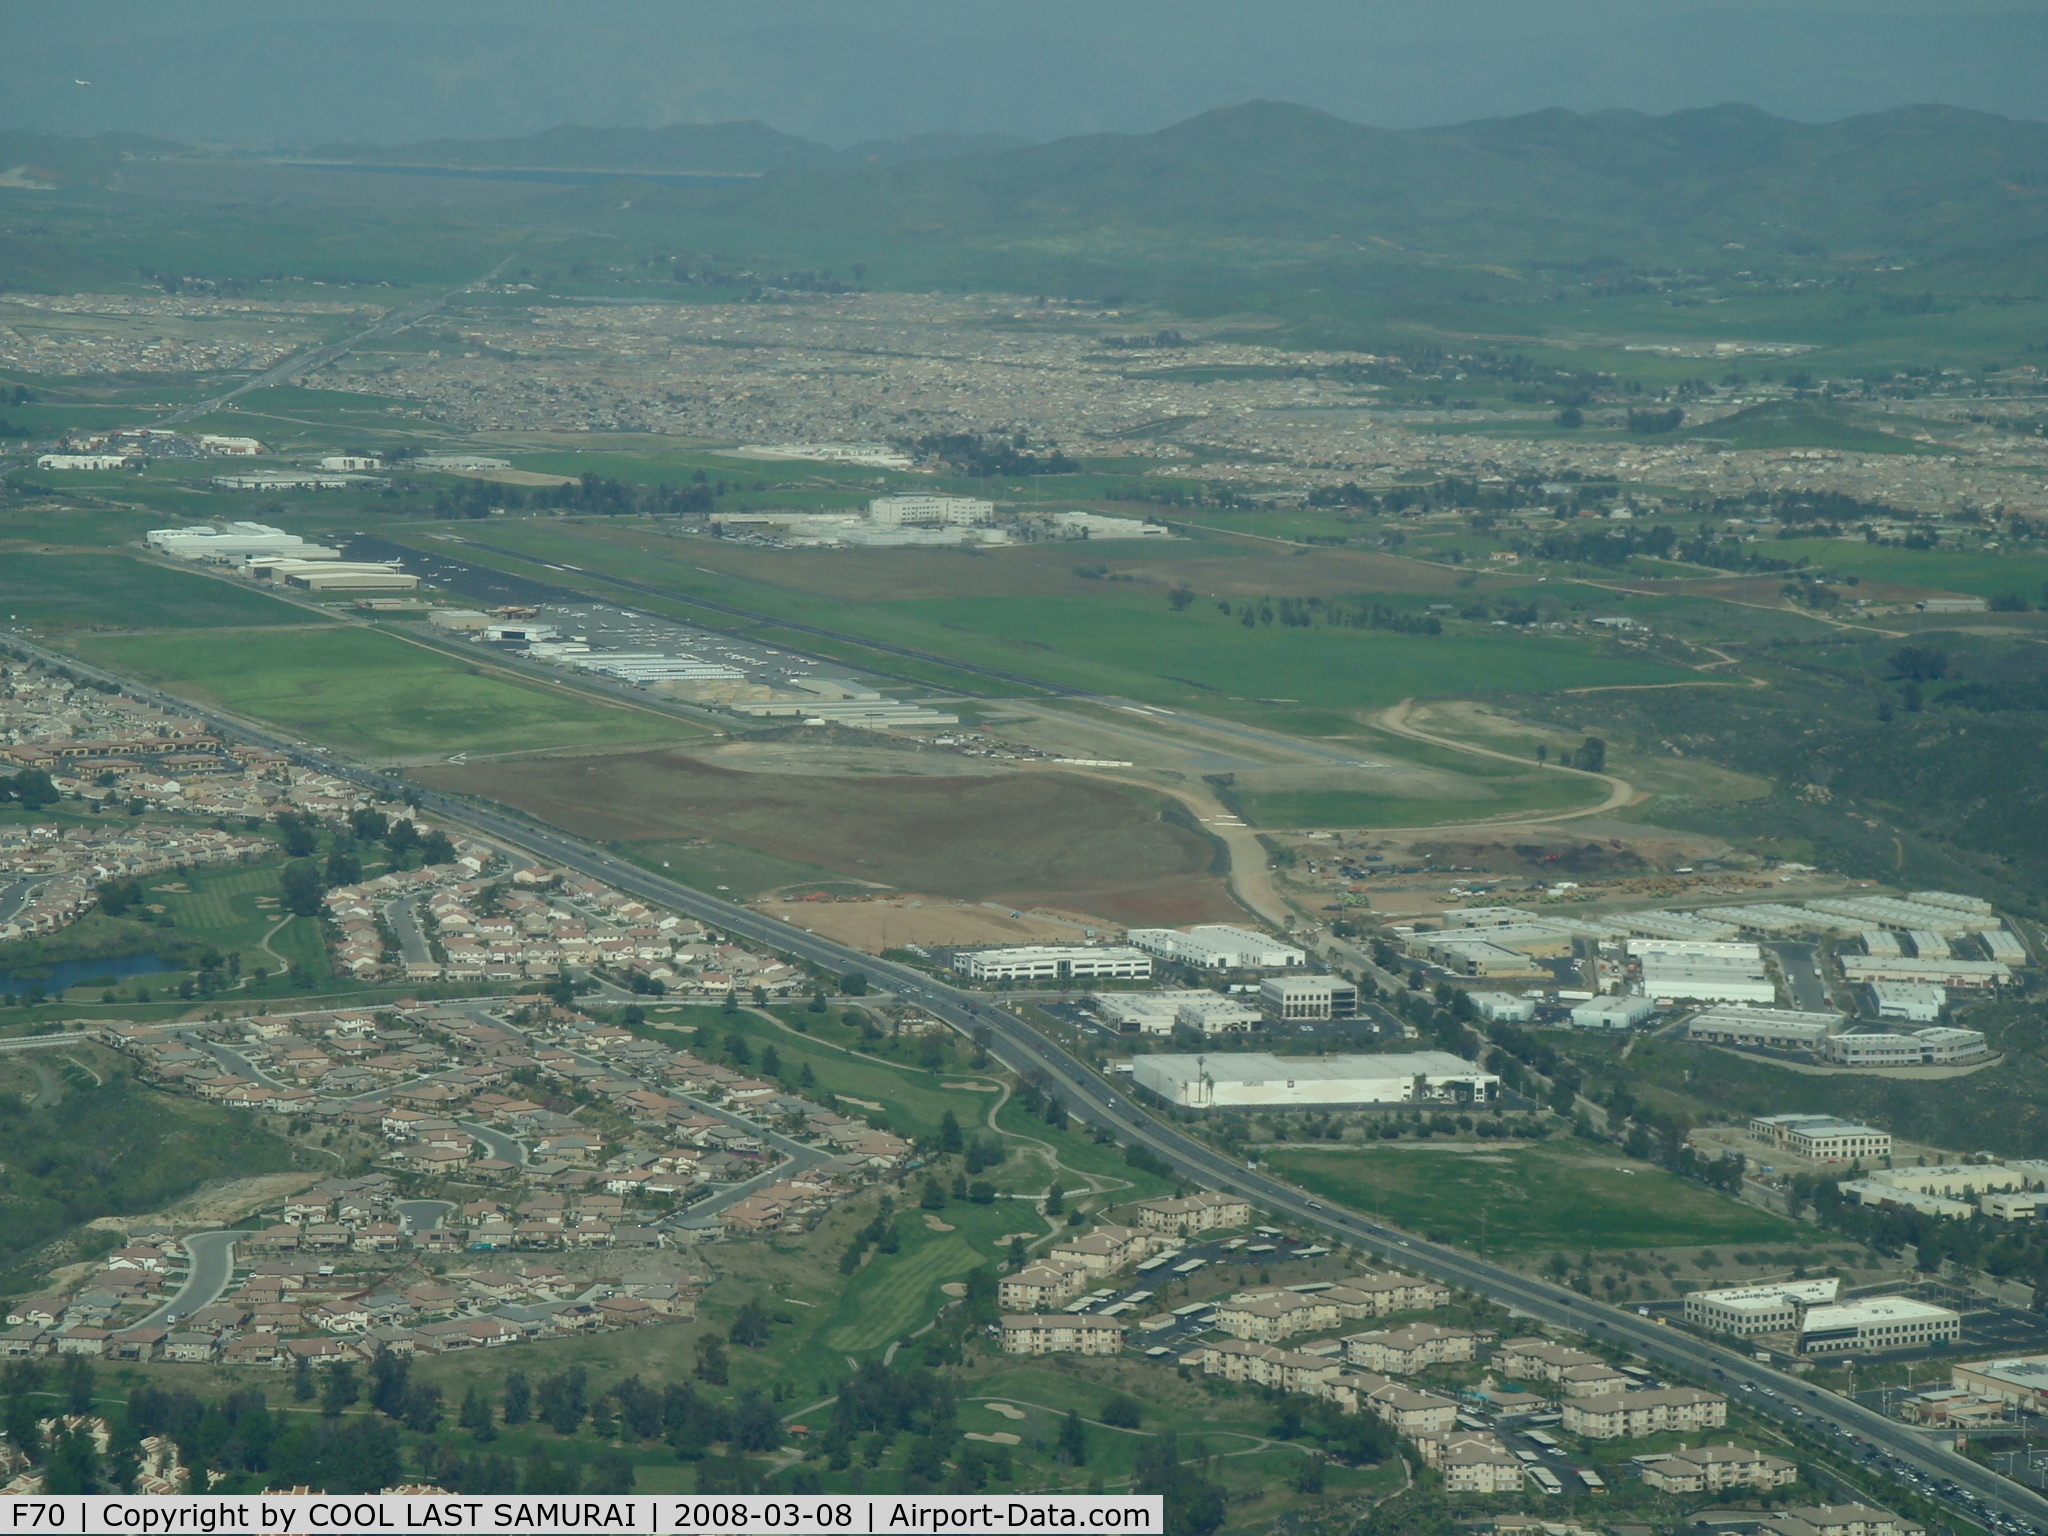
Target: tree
[(420, 1411), (1072, 1445), (476, 1416), (341, 1390), (563, 1399), (1055, 1200), (950, 1139), (435, 848), (1018, 1255), (300, 880), (1122, 1411), (1591, 756), (1194, 1506), (750, 1327), (711, 1360), (343, 866), (388, 1373), (518, 1399), (304, 1389), (854, 984), (934, 1197)]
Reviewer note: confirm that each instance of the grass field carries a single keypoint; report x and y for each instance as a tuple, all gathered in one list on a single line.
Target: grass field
[(709, 865), (1024, 838), (1944, 570), (1030, 612), (1522, 1200), (48, 592), (369, 693)]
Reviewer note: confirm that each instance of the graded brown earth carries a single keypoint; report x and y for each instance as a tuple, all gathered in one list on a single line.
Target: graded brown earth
[(1024, 839)]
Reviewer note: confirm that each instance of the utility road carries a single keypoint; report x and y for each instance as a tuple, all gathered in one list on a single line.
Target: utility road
[(1091, 1098)]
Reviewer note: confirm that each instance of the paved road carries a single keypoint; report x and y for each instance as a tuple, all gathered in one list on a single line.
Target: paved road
[(1801, 966), (1092, 1099), (421, 1215), (319, 357), (507, 1149), (213, 1266), (15, 895), (404, 919)]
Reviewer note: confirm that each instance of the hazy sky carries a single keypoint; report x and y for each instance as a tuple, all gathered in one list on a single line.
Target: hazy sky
[(301, 71)]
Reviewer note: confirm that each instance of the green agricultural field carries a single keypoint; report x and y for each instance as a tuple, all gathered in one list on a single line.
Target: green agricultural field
[(1519, 1200), (371, 693), (1808, 424), (48, 592), (709, 865), (1983, 573)]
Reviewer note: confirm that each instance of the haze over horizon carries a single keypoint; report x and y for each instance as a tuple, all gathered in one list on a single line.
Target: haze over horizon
[(298, 72)]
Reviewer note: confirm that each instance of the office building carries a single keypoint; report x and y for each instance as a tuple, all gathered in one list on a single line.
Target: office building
[(1055, 962), (1503, 1007), (1289, 998), (1821, 1138), (929, 511), (1930, 1046), (1248, 1079), (1751, 1309), (1879, 1323)]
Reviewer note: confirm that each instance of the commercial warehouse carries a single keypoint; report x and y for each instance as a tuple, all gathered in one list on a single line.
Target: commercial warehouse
[(1156, 1013), (1936, 1046), (1218, 947), (1245, 1079), (1771, 1029)]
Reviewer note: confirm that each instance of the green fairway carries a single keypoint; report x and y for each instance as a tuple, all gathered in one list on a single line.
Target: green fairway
[(1511, 1199), (371, 693), (903, 1290), (116, 592)]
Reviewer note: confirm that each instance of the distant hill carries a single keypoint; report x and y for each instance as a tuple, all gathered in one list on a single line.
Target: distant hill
[(1554, 185), (1808, 424), (55, 159), (678, 147)]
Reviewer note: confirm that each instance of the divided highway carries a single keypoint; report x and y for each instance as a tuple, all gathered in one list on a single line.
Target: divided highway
[(1090, 1097)]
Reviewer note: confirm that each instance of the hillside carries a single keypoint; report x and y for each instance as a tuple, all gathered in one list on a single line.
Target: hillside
[(1556, 185), (677, 147)]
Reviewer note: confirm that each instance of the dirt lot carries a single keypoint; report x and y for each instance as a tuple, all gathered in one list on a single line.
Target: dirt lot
[(229, 1200), (1023, 839), (882, 924)]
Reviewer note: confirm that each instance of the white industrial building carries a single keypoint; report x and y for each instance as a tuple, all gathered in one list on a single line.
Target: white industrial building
[(1093, 525), (1942, 973), (1753, 1309), (1675, 925), (229, 447), (351, 463), (1771, 1029), (1218, 947), (1976, 905), (1891, 912), (1703, 971), (1288, 998), (1488, 917), (1880, 1323), (1056, 962), (1821, 1138), (81, 460), (288, 480), (1932, 1046), (929, 511), (1612, 1012), (1883, 943), (1475, 956), (2002, 946), (234, 543), (1503, 1007), (1914, 1001), (1156, 1013), (459, 463), (1777, 917), (1248, 1079)]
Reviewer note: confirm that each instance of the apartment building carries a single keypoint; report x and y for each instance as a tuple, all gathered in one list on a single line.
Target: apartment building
[(1534, 1359), (1062, 1334), (1264, 1365), (1105, 1249), (1838, 1520), (1269, 1316), (1711, 1468), (1631, 1415), (1471, 1461), (1195, 1213), (1038, 1286), (1404, 1351)]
